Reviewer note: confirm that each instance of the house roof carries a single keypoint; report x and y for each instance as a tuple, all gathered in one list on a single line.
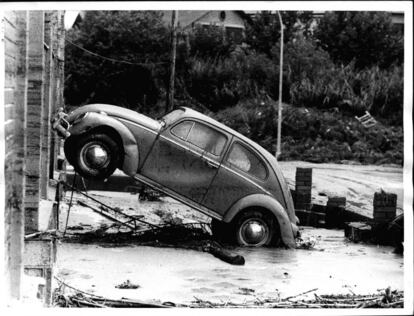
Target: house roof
[(186, 18)]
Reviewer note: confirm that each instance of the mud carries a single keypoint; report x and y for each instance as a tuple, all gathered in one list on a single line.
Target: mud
[(333, 266)]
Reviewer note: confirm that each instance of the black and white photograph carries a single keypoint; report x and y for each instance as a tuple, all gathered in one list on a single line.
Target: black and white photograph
[(229, 157)]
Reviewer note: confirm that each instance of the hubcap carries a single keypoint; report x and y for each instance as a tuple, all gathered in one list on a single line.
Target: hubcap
[(95, 156), (254, 232)]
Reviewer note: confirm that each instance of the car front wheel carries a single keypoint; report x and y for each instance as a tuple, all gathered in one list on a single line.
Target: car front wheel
[(96, 155), (255, 229)]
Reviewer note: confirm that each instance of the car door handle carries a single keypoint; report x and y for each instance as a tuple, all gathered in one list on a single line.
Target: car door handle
[(211, 164)]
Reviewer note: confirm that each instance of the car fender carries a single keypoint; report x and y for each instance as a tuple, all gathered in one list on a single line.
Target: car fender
[(93, 120), (265, 201)]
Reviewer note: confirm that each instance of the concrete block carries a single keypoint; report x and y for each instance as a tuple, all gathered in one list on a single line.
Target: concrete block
[(385, 206), (385, 209), (385, 199), (336, 201), (358, 231), (39, 259), (303, 188), (45, 213), (39, 253), (310, 218)]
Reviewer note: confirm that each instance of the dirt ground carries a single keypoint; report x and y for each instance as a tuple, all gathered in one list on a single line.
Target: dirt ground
[(357, 183), (334, 265)]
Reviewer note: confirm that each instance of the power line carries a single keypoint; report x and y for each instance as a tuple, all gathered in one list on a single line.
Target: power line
[(112, 59)]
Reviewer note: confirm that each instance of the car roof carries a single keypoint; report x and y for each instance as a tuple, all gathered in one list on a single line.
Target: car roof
[(190, 113)]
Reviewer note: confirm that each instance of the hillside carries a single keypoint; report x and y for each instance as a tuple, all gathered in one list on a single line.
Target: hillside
[(314, 135)]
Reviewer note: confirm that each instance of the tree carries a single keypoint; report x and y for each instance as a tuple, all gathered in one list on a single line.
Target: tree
[(115, 57), (264, 31), (366, 37), (210, 42)]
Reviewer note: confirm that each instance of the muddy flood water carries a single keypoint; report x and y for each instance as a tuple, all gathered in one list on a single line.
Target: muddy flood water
[(334, 266), (177, 275)]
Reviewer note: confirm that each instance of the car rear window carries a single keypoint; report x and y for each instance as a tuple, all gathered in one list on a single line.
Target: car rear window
[(201, 136), (242, 158)]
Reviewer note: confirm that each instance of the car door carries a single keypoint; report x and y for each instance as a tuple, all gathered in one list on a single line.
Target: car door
[(186, 158), (241, 173)]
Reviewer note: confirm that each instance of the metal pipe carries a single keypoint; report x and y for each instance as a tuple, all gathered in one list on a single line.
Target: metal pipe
[(279, 112)]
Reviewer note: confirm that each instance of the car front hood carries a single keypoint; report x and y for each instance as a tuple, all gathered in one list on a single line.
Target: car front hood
[(116, 112)]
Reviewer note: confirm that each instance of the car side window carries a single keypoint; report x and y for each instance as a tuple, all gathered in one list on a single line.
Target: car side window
[(182, 129), (243, 159), (201, 136), (207, 139)]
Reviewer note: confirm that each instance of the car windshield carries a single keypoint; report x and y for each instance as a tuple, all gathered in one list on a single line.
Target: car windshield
[(171, 117)]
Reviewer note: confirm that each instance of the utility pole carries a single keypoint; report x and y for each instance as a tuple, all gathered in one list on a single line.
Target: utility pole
[(170, 94), (279, 111)]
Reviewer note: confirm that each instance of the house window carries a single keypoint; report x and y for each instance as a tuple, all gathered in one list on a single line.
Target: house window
[(222, 15), (235, 34)]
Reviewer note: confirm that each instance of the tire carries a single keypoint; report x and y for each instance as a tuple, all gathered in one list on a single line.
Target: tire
[(70, 149), (222, 232), (95, 155), (254, 228)]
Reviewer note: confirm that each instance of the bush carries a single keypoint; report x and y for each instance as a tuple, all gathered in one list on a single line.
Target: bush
[(368, 38), (221, 83), (311, 79), (382, 92), (210, 42), (264, 30), (255, 118), (354, 92), (138, 37), (314, 135)]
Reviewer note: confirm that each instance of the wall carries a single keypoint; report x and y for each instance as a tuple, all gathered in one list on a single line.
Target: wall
[(33, 89)]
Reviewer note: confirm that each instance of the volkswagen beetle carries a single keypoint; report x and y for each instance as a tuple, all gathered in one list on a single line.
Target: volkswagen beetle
[(192, 158)]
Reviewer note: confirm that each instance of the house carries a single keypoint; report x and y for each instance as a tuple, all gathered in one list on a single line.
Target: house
[(233, 22), (33, 50)]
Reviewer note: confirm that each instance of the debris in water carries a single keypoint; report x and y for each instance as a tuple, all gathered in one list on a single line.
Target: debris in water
[(67, 296), (127, 285), (307, 243), (245, 291), (195, 236)]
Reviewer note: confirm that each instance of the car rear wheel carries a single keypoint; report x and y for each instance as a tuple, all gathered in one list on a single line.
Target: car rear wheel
[(255, 229), (96, 155)]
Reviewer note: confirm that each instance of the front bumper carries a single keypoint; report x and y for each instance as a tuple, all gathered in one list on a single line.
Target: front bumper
[(60, 124)]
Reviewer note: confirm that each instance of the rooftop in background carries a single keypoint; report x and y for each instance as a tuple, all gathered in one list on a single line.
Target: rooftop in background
[(70, 18), (187, 18)]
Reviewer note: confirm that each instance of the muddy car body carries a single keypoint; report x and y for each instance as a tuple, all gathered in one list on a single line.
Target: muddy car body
[(192, 158)]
